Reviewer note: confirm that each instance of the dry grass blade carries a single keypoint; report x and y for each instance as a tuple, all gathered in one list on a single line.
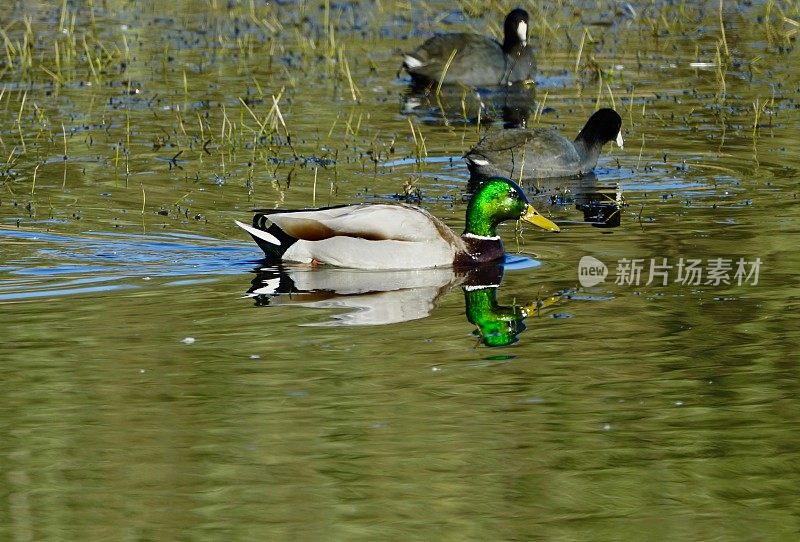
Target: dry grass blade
[(444, 70)]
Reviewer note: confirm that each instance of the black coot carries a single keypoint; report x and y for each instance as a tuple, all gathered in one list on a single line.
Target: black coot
[(539, 153), (478, 60)]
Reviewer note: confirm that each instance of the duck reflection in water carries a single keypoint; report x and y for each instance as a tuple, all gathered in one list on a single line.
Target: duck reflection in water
[(499, 325), (387, 297)]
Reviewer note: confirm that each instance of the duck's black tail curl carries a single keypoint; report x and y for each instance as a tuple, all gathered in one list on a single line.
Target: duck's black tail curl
[(268, 236)]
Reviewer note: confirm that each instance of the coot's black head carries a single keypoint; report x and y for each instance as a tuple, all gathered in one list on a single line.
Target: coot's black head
[(604, 126), (515, 29)]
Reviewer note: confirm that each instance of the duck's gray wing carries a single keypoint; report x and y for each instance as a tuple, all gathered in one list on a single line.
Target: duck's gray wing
[(375, 222)]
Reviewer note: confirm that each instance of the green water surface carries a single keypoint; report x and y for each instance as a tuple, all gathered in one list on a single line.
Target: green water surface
[(145, 395)]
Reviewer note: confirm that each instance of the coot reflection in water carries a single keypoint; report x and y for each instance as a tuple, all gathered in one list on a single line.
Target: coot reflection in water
[(510, 105), (601, 205)]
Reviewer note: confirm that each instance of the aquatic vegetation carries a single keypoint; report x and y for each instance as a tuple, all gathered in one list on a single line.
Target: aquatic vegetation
[(184, 107)]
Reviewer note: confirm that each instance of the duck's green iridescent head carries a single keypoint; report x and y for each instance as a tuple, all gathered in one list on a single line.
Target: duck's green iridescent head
[(496, 201)]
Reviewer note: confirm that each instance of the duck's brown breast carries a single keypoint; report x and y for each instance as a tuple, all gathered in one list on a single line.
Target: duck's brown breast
[(480, 250)]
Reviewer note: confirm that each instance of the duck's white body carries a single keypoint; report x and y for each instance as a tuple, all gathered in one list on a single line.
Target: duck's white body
[(365, 236)]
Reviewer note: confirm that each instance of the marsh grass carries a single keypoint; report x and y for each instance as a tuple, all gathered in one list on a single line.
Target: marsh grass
[(420, 149), (248, 94), (444, 71)]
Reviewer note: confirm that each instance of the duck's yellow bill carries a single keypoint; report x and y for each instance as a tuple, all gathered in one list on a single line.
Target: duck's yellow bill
[(532, 216)]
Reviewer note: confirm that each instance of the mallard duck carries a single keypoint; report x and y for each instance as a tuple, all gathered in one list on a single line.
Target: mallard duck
[(476, 60), (539, 153), (387, 236)]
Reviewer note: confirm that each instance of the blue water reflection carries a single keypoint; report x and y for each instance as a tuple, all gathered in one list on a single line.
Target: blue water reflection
[(46, 264)]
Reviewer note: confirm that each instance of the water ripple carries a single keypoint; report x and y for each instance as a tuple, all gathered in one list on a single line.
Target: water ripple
[(47, 264)]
